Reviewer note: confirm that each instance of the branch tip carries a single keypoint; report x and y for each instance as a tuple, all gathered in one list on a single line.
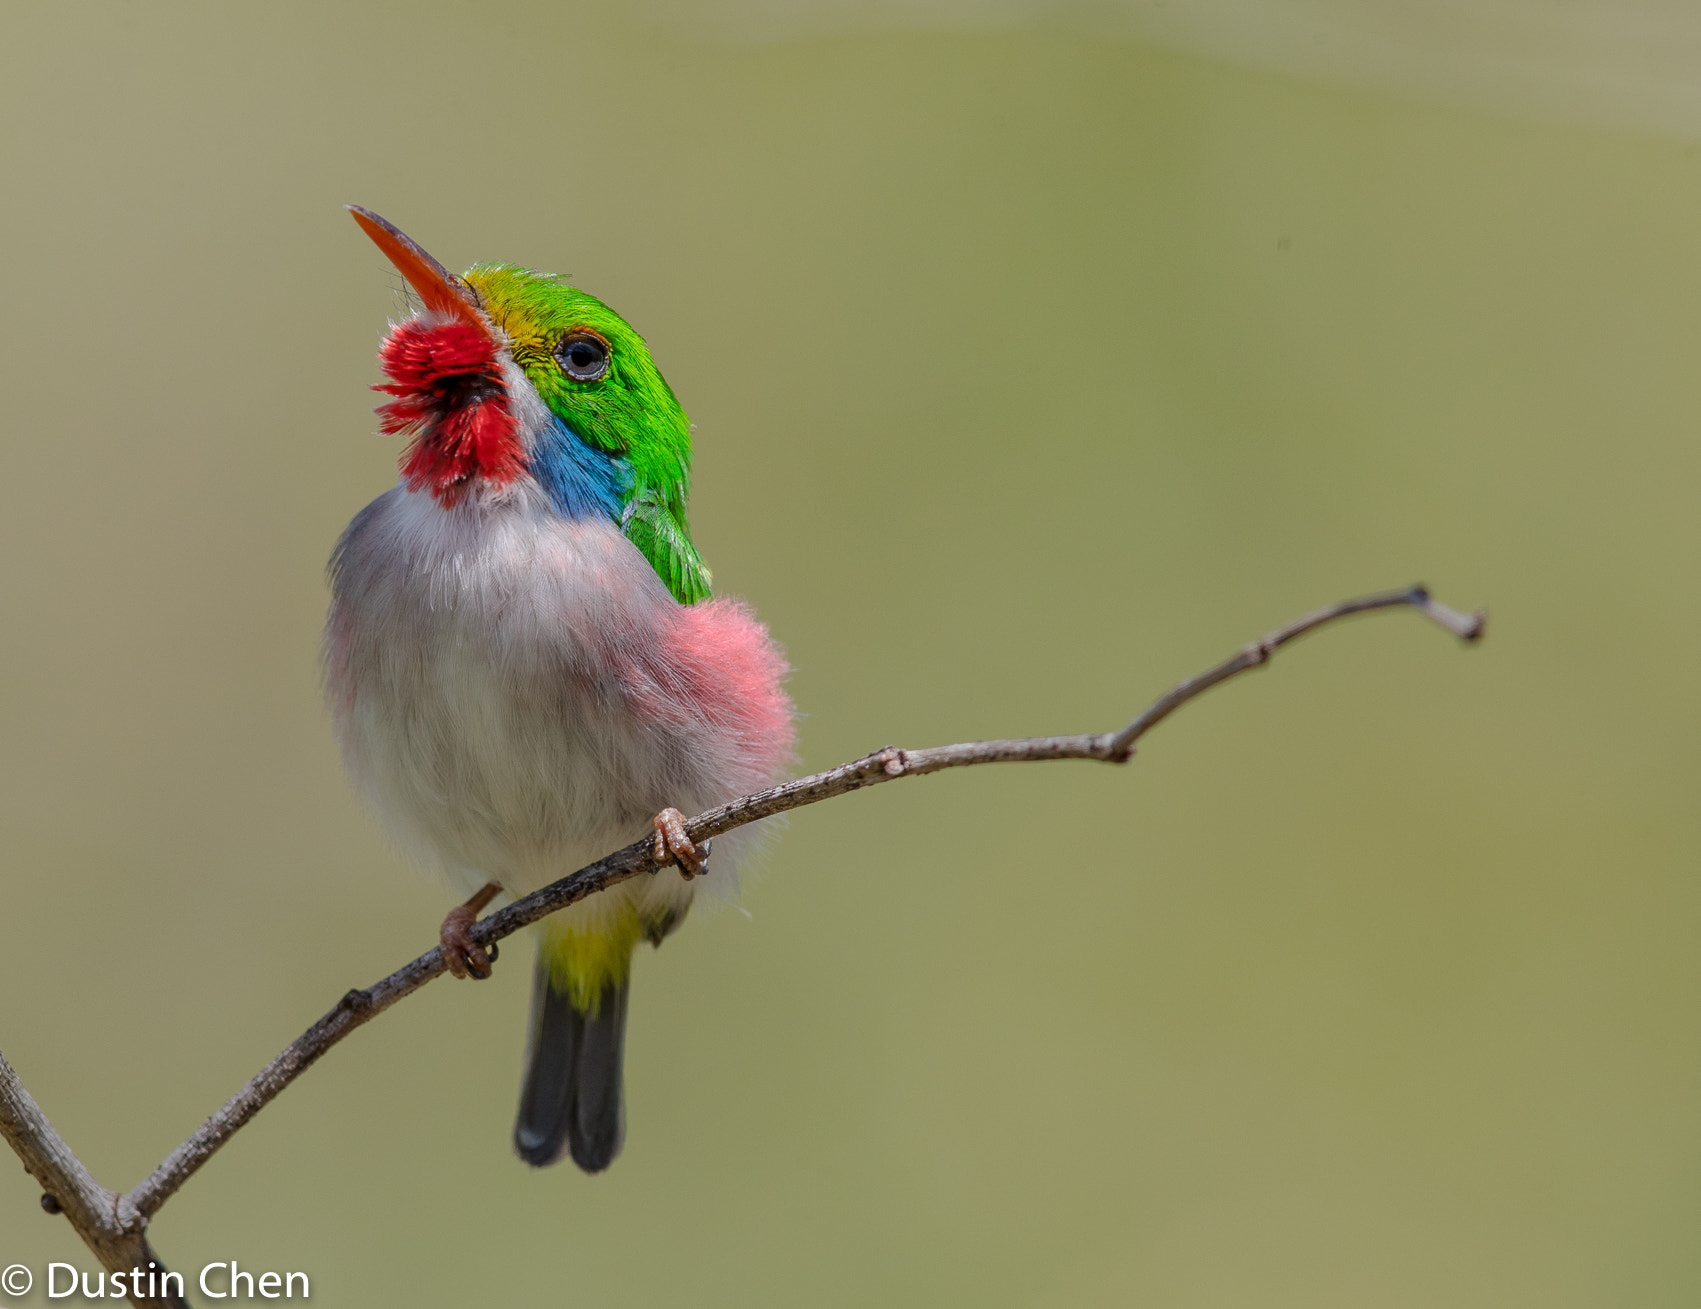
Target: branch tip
[(1467, 627)]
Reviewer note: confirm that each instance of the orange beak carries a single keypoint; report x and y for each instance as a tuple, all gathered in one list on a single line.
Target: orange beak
[(441, 290)]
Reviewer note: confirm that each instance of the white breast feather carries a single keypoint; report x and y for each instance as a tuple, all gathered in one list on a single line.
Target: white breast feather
[(472, 666)]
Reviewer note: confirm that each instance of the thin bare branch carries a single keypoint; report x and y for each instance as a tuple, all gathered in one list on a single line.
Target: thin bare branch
[(112, 1225), (358, 1007), (1467, 627)]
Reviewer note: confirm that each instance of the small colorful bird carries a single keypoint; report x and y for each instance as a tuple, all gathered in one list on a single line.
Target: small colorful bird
[(522, 659)]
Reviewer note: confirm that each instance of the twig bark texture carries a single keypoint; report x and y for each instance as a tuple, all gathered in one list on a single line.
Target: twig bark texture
[(112, 1225)]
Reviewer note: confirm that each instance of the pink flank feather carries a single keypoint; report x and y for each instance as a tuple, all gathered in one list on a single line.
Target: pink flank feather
[(720, 668)]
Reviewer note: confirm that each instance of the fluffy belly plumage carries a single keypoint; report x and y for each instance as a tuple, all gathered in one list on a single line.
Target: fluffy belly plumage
[(516, 694)]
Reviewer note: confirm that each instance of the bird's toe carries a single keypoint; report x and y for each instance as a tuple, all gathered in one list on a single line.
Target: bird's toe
[(675, 846), (463, 956)]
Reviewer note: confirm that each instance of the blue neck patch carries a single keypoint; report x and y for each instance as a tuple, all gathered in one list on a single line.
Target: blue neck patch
[(581, 481)]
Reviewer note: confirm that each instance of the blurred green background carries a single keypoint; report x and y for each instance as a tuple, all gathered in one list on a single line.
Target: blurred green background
[(1033, 371)]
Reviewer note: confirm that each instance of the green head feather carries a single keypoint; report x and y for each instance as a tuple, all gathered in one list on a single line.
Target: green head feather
[(629, 411)]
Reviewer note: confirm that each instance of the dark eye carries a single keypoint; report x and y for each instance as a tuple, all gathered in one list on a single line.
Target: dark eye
[(583, 356)]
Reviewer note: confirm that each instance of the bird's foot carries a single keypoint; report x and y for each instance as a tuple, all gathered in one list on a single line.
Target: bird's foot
[(464, 956), (674, 846)]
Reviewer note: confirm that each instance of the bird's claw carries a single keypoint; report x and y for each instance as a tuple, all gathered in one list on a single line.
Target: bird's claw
[(464, 957), (674, 845)]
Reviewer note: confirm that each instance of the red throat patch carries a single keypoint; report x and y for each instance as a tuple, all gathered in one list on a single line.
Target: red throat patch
[(452, 399)]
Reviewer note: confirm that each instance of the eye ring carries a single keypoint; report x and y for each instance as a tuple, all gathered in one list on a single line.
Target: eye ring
[(583, 355)]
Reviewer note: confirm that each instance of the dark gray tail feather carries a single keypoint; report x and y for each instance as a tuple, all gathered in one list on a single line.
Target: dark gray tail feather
[(572, 1089)]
